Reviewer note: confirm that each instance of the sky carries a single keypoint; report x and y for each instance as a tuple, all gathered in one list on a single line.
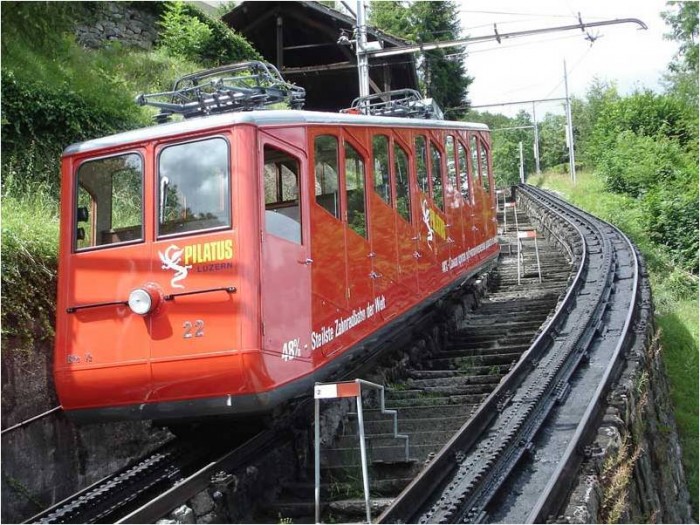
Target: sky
[(533, 67)]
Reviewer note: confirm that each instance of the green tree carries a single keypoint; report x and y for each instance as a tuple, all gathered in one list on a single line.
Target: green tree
[(442, 72), (553, 148)]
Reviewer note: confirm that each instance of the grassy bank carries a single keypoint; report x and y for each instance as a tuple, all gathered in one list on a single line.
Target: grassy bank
[(675, 299)]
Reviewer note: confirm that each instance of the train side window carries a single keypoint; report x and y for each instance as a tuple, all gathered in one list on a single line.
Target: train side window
[(355, 190), (436, 170), (380, 153), (281, 184), (109, 201), (484, 168), (475, 157), (463, 174), (326, 173), (403, 191), (422, 164), (194, 189), (451, 167)]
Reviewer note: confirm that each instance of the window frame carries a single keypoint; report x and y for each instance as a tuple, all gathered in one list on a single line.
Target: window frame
[(74, 215), (339, 167), (345, 209), (389, 166), (426, 162), (159, 149), (433, 147), (407, 153), (280, 191)]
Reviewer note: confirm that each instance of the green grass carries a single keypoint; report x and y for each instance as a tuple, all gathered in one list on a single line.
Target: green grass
[(675, 295)]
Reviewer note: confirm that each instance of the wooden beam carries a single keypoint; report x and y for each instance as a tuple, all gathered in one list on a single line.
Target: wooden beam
[(318, 69), (333, 34), (253, 25)]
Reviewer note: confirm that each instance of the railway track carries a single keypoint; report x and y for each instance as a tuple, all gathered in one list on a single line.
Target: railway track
[(496, 392), (150, 487), (594, 324), (439, 391)]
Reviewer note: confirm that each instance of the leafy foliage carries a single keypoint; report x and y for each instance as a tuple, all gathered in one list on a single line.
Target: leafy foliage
[(442, 71), (190, 34), (645, 146), (182, 35)]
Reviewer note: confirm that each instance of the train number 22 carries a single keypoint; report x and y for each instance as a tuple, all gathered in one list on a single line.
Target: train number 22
[(195, 329)]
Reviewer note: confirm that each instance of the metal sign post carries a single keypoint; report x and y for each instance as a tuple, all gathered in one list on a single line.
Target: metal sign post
[(340, 390)]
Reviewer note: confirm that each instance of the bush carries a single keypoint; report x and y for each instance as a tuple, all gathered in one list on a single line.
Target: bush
[(190, 34), (633, 164), (182, 35), (671, 219)]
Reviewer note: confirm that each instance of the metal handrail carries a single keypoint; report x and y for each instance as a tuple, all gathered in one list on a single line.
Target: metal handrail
[(361, 429)]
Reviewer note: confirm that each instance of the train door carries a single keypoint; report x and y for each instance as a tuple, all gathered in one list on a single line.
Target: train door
[(453, 200), (383, 238), (425, 238), (478, 192), (328, 272), (108, 213), (406, 238), (438, 217), (197, 263), (286, 260), (490, 223), (467, 193), (357, 246)]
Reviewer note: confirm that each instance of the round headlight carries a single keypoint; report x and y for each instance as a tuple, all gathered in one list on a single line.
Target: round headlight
[(140, 301)]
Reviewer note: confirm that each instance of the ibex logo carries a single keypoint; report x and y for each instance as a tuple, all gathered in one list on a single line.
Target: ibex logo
[(171, 261), (426, 219)]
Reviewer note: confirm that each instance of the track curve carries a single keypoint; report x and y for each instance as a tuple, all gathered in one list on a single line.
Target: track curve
[(593, 324)]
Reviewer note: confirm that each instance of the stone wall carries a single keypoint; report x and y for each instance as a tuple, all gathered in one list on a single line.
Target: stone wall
[(117, 21), (52, 458)]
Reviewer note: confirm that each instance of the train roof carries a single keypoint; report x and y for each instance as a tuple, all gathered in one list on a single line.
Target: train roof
[(262, 118)]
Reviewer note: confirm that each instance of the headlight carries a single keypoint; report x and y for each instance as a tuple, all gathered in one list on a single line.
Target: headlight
[(140, 301)]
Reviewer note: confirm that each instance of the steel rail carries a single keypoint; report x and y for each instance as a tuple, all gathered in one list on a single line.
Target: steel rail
[(116, 495), (30, 420), (555, 490), (483, 484), (190, 486), (65, 507)]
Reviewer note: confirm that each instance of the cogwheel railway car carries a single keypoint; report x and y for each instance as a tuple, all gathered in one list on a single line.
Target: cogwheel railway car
[(221, 264)]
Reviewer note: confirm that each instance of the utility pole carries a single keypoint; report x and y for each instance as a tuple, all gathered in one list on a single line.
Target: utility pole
[(537, 140), (569, 128), (522, 163), (363, 53), (362, 58)]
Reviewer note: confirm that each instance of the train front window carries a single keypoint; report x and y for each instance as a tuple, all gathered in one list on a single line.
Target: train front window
[(281, 183), (109, 201), (194, 187)]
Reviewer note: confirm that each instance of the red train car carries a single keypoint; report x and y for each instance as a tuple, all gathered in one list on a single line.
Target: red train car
[(221, 265)]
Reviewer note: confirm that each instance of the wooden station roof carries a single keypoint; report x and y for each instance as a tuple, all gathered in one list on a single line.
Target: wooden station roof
[(300, 38)]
